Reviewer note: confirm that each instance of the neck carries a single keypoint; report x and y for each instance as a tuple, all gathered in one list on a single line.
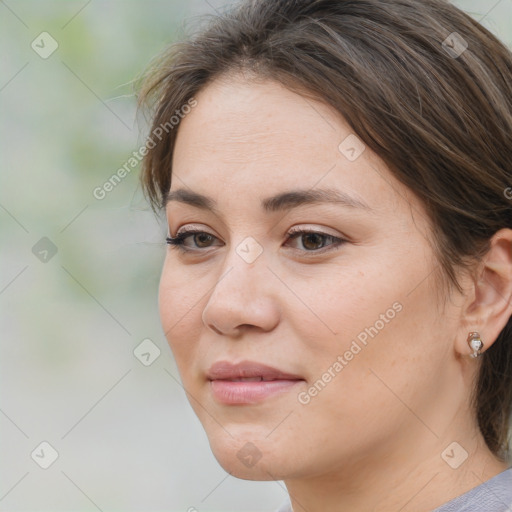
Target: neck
[(410, 480)]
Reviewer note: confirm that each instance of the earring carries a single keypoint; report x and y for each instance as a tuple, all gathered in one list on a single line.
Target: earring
[(476, 343)]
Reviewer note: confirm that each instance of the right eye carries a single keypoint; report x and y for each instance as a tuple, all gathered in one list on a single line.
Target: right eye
[(198, 240)]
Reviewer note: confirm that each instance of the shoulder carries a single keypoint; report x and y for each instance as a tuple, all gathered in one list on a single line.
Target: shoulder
[(285, 507), (495, 495)]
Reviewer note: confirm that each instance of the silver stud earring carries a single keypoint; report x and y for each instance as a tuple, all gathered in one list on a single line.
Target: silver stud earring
[(476, 343)]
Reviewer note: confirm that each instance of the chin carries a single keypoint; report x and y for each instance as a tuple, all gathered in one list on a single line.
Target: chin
[(248, 457), (248, 466)]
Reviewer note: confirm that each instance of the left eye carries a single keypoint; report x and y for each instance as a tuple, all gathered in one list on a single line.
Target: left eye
[(313, 241)]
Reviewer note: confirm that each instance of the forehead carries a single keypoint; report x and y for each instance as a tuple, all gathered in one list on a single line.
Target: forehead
[(254, 138), (238, 120)]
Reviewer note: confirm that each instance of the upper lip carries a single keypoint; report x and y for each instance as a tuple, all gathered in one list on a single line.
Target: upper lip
[(225, 370)]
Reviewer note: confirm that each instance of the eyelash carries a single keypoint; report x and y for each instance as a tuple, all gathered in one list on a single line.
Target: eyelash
[(179, 239)]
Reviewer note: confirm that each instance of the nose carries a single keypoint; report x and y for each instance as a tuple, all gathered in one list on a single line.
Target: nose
[(244, 297)]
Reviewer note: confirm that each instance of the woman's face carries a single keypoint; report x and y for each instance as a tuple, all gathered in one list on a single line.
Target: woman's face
[(348, 313)]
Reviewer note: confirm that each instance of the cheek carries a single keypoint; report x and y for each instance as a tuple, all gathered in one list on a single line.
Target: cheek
[(369, 294), (376, 321), (340, 303), (180, 307), (384, 350)]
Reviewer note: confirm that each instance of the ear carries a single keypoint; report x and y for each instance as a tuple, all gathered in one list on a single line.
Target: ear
[(489, 304)]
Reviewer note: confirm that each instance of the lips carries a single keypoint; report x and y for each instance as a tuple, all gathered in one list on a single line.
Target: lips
[(247, 371), (248, 382)]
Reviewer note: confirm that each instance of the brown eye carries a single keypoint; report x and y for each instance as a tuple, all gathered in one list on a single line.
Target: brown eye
[(312, 241), (192, 239), (203, 239)]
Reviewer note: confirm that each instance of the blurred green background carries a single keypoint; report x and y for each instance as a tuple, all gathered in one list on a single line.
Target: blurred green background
[(79, 275)]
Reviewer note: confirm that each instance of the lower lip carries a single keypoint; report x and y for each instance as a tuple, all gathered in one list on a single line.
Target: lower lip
[(249, 392)]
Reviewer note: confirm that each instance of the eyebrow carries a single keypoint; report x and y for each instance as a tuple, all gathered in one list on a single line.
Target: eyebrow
[(279, 202)]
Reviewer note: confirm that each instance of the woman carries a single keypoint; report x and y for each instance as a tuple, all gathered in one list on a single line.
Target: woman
[(338, 284)]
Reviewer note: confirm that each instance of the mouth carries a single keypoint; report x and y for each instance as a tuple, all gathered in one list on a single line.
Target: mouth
[(250, 379), (248, 382)]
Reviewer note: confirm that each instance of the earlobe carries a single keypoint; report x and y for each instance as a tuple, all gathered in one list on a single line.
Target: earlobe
[(475, 343), (491, 305)]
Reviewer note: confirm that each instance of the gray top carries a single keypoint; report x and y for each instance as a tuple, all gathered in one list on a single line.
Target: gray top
[(495, 495)]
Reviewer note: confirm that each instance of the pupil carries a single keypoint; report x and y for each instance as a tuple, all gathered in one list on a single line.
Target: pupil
[(202, 238), (312, 240)]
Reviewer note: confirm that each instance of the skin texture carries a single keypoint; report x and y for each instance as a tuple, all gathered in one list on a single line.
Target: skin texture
[(372, 438)]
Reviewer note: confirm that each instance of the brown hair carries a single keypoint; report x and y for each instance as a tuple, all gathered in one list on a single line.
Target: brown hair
[(437, 113)]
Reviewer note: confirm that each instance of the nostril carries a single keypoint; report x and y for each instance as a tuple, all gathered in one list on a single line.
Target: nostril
[(213, 328)]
